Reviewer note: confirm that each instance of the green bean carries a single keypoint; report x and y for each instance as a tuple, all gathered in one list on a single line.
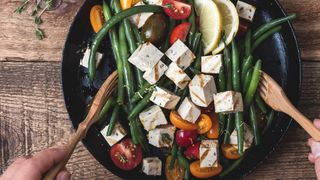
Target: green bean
[(247, 80), (140, 106), (105, 109), (229, 128), (240, 131), (266, 27), (191, 18), (141, 137), (137, 34), (228, 67), (234, 165), (173, 155), (116, 53), (166, 42), (113, 120), (253, 84), (222, 122), (196, 42), (197, 63), (221, 79), (247, 43), (108, 25), (146, 87), (261, 104), (269, 117), (127, 71), (184, 163), (235, 68), (246, 65), (254, 124), (264, 36), (133, 131)]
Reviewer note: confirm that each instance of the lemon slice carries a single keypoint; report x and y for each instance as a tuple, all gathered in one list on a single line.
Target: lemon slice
[(210, 23), (230, 22)]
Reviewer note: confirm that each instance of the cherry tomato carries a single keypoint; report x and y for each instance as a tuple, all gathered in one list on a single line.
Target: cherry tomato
[(178, 122), (125, 4), (185, 138), (180, 32), (229, 151), (204, 123), (243, 27), (176, 173), (176, 10), (126, 155), (96, 18), (192, 152), (198, 172), (213, 133)]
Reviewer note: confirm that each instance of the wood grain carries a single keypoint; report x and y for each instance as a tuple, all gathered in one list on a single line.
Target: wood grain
[(32, 112)]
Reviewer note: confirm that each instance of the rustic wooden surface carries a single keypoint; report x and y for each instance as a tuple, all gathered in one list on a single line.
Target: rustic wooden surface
[(32, 112)]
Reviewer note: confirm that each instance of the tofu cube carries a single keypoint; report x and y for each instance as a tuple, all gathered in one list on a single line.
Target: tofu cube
[(164, 98), (228, 102), (152, 166), (177, 75), (117, 134), (245, 10), (152, 117), (153, 75), (188, 111), (248, 137), (154, 2), (85, 60), (162, 136), (180, 54), (201, 88), (146, 56), (140, 19), (211, 64), (208, 153)]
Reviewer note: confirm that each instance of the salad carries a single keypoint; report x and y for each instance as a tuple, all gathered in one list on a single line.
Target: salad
[(187, 84)]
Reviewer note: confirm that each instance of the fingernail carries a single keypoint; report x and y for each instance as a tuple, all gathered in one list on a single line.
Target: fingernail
[(65, 176)]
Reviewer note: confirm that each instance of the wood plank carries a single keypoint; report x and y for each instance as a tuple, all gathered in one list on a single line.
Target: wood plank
[(33, 117)]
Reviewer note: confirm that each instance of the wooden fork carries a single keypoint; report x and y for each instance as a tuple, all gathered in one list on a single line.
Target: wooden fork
[(104, 93), (275, 97)]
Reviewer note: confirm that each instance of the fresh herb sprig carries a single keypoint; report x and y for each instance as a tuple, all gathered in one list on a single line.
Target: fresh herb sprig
[(37, 12)]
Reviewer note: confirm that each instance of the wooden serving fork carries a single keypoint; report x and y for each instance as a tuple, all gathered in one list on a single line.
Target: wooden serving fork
[(104, 93), (275, 97)]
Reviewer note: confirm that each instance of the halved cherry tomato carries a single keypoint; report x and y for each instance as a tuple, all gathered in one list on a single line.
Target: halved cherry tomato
[(180, 32), (126, 155), (198, 172), (180, 123), (176, 173), (135, 2), (204, 123), (176, 10), (185, 138), (213, 133), (96, 18), (229, 151), (243, 28), (192, 152), (125, 4)]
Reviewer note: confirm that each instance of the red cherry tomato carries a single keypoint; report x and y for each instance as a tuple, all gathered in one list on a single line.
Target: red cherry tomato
[(192, 152), (180, 32), (126, 155), (176, 10), (243, 28), (185, 138)]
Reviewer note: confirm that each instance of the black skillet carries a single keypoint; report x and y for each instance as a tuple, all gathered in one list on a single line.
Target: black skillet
[(281, 59)]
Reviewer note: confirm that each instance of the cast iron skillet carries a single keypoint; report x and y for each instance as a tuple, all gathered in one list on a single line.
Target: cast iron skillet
[(281, 59)]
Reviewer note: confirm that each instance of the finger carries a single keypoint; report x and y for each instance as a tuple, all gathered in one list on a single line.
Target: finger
[(311, 158), (63, 175), (44, 160), (316, 123), (315, 147), (309, 142), (317, 167), (21, 159)]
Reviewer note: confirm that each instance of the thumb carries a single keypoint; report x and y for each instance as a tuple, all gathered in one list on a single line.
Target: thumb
[(45, 159)]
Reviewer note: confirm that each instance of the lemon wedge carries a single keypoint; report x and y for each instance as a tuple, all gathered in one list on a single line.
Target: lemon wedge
[(230, 22), (210, 24)]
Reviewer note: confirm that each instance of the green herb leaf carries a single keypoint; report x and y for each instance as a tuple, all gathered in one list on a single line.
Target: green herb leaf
[(39, 34), (37, 20), (49, 4), (165, 137), (22, 6)]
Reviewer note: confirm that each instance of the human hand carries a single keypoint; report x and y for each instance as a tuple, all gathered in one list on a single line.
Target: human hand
[(35, 167), (314, 156)]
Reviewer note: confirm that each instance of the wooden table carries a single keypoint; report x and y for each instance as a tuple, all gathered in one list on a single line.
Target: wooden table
[(32, 112)]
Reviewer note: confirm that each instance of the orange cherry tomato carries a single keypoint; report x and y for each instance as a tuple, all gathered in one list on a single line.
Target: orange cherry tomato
[(229, 151), (125, 4), (180, 123), (204, 123), (135, 2), (198, 172), (213, 133), (96, 18)]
